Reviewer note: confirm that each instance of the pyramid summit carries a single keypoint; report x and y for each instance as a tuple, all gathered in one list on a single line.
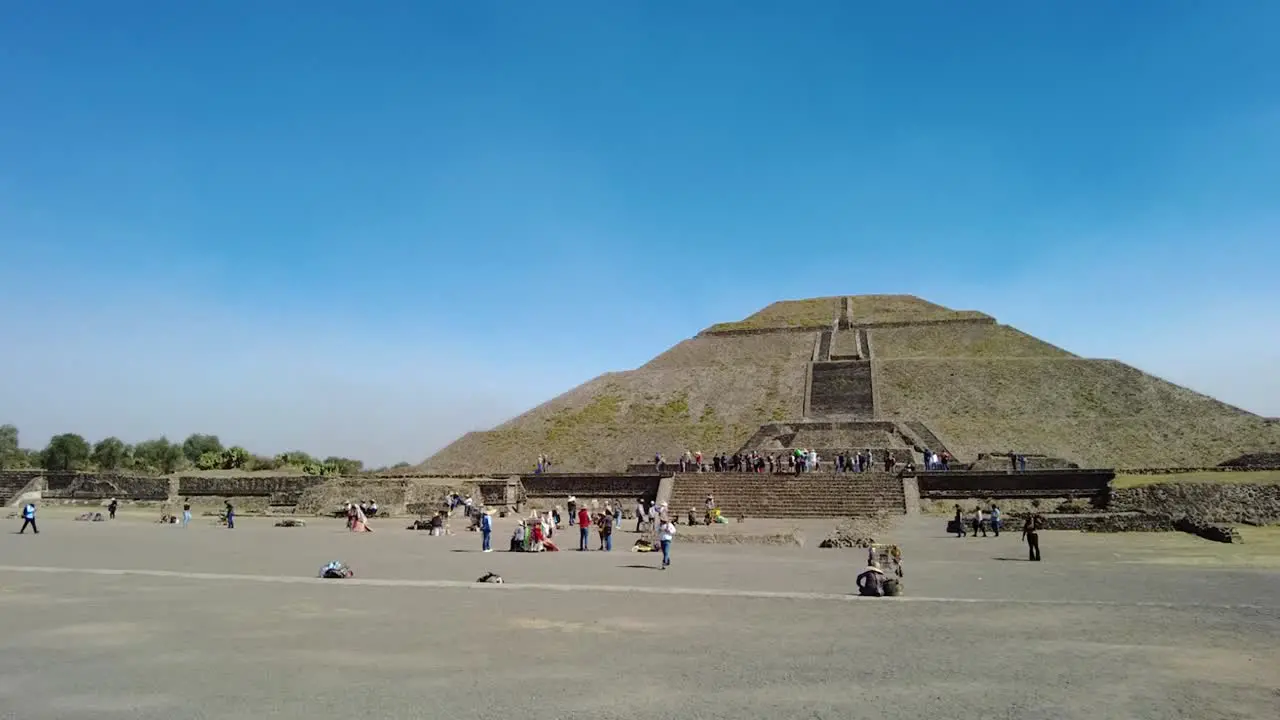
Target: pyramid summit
[(893, 373)]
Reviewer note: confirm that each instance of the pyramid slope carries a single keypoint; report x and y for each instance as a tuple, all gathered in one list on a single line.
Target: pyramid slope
[(1097, 413), (980, 386), (706, 393)]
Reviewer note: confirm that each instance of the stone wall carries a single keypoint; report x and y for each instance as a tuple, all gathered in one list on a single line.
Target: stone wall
[(104, 486), (587, 486), (1212, 502), (191, 486), (1037, 484)]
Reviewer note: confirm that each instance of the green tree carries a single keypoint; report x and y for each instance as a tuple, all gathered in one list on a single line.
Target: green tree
[(11, 456), (235, 458), (110, 454), (66, 453), (344, 466), (158, 456), (297, 458), (197, 444), (209, 461)]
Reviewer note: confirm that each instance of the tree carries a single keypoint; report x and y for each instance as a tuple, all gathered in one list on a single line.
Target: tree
[(66, 453), (296, 458), (344, 466), (160, 456), (235, 458), (110, 454), (196, 445), (11, 456)]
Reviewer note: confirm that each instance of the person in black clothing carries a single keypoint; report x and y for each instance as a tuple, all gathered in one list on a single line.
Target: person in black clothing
[(1031, 533), (959, 523), (111, 509)]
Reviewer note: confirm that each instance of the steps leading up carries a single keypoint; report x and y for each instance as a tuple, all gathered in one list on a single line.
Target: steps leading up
[(842, 388), (815, 495)]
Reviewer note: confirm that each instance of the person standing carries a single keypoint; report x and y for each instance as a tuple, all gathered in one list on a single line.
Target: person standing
[(995, 519), (111, 509), (1031, 534), (486, 531), (29, 518), (572, 504), (606, 532), (958, 523), (666, 532), (584, 529), (231, 516), (186, 514)]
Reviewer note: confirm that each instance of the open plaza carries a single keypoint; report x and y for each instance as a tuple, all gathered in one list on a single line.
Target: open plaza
[(130, 618)]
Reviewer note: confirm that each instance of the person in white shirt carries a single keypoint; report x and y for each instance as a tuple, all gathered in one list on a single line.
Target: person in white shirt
[(978, 522), (666, 531)]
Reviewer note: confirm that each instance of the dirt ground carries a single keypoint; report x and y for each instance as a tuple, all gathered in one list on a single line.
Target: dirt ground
[(134, 619)]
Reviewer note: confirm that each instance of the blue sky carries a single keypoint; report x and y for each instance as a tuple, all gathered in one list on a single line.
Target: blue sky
[(365, 228)]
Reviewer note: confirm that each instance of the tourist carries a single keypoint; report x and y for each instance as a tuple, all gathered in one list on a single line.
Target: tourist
[(697, 461), (231, 516), (979, 522), (111, 509), (1013, 461), (606, 532), (871, 581), (373, 508), (573, 510), (584, 529), (639, 514), (486, 530), (995, 519), (1031, 534), (958, 523), (186, 514), (517, 538), (1022, 463), (617, 515), (556, 518), (29, 518), (361, 521), (665, 533), (468, 505)]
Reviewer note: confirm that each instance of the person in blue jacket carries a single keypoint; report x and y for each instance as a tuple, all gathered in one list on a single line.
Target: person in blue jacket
[(486, 530)]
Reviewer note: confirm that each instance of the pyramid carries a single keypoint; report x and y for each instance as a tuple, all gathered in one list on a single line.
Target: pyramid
[(888, 372)]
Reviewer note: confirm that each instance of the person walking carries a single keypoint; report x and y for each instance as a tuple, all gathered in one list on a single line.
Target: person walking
[(186, 514), (979, 522), (995, 519), (958, 523), (231, 516), (584, 528), (29, 518), (1031, 534), (486, 531), (666, 532)]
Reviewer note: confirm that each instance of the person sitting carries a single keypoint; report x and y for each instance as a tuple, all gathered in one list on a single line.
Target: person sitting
[(372, 509), (871, 581)]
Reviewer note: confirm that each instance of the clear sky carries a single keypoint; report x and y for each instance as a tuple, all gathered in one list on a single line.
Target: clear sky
[(364, 228)]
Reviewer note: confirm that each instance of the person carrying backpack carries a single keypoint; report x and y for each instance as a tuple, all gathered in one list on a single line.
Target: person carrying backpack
[(29, 518)]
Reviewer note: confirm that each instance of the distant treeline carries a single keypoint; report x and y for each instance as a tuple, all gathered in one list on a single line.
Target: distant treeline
[(71, 452)]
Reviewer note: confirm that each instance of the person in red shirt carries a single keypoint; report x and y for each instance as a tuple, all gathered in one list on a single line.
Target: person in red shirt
[(584, 528)]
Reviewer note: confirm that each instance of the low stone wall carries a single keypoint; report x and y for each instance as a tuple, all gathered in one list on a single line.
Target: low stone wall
[(1208, 530), (587, 486), (1030, 484), (1211, 502), (104, 486), (292, 485)]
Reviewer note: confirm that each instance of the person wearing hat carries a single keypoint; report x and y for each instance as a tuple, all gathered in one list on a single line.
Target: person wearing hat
[(871, 581), (517, 538), (486, 529)]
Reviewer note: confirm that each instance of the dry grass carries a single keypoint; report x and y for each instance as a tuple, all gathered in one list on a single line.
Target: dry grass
[(962, 340), (667, 407), (1096, 412), (814, 313), (1253, 477)]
